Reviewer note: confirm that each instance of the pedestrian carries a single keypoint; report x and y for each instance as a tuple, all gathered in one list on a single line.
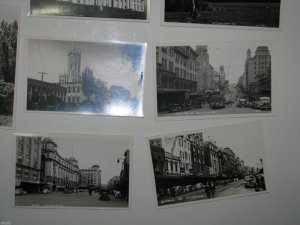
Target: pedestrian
[(90, 191), (207, 190), (212, 188)]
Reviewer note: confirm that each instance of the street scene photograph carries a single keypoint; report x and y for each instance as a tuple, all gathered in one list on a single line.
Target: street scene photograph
[(219, 79), (9, 17), (72, 171), (236, 13), (208, 164), (85, 78), (134, 10)]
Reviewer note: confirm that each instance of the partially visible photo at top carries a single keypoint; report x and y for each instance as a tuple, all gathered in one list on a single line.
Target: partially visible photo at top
[(236, 13), (134, 10), (85, 77), (9, 17)]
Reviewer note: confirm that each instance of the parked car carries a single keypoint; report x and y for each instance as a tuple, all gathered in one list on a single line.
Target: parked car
[(177, 190), (104, 195), (175, 108), (188, 188), (265, 106), (249, 181), (199, 186), (46, 191), (117, 194), (20, 191)]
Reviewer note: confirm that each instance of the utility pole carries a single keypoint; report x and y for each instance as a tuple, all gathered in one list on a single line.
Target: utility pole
[(42, 73)]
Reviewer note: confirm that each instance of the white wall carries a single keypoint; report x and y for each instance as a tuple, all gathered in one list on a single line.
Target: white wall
[(282, 132)]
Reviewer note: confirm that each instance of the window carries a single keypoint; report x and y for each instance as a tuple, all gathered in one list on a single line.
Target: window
[(18, 173)]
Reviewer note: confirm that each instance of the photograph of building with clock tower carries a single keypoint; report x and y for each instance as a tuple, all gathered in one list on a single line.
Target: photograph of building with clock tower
[(89, 78)]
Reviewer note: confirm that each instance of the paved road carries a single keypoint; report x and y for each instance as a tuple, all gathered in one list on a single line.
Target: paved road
[(205, 110), (233, 188), (58, 199)]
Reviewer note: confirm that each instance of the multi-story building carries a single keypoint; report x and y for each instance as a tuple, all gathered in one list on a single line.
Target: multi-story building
[(58, 173), (39, 92), (180, 146), (135, 5), (229, 162), (93, 176), (72, 79), (114, 182), (205, 76), (28, 163), (172, 165), (158, 157), (212, 157), (83, 181), (257, 72), (197, 154), (176, 70)]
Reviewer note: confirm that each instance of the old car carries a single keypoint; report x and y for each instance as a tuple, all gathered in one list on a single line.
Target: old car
[(104, 194), (249, 181), (20, 191)]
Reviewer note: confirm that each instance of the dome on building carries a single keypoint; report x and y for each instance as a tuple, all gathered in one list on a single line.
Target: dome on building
[(49, 144), (48, 140)]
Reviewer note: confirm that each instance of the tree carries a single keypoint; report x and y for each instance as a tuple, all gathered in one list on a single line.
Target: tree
[(118, 93), (8, 49), (88, 83)]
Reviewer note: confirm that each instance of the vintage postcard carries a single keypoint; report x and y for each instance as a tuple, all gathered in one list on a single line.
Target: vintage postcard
[(9, 23), (208, 164), (250, 14), (225, 79), (72, 171), (130, 10), (85, 78)]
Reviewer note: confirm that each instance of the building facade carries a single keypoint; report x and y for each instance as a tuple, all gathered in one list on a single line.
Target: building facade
[(205, 76), (28, 163), (257, 72), (158, 157), (39, 92), (72, 79), (172, 165), (176, 72), (93, 176), (197, 154), (58, 173)]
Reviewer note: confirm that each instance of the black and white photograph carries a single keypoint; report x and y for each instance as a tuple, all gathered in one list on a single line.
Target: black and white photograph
[(85, 78), (257, 14), (222, 79), (209, 164), (9, 17), (72, 171), (130, 10)]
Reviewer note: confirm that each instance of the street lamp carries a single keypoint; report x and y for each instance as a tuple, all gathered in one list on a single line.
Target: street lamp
[(118, 160)]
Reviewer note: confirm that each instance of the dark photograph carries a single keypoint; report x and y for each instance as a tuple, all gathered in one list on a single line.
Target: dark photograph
[(9, 16), (214, 79), (85, 78), (72, 171), (112, 9), (249, 13), (208, 164)]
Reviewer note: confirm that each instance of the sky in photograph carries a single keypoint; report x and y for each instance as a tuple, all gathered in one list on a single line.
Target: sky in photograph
[(244, 139), (9, 13), (103, 151), (232, 55), (116, 64)]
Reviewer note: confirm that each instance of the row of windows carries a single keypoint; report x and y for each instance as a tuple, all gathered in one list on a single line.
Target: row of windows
[(74, 99), (73, 89)]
